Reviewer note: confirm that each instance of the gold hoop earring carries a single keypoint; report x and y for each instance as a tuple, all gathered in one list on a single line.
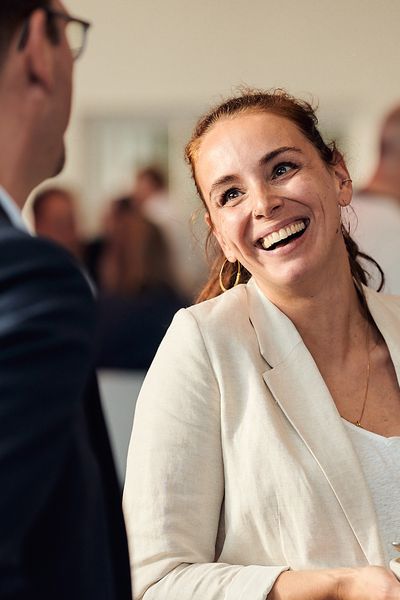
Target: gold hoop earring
[(237, 279)]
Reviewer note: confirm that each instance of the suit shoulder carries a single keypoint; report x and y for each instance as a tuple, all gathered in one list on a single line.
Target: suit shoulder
[(22, 242), (26, 257)]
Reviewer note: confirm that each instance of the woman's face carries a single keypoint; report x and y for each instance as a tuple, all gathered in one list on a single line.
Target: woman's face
[(272, 202)]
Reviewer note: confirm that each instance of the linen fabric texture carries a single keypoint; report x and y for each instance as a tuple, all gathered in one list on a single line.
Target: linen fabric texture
[(239, 465)]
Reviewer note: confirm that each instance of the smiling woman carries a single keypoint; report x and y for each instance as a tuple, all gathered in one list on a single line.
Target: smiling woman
[(282, 162), (247, 474)]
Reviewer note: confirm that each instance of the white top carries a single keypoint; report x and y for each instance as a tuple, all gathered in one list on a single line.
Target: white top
[(12, 210), (380, 457)]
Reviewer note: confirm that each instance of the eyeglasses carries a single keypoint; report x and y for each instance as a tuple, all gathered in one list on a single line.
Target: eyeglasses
[(75, 31)]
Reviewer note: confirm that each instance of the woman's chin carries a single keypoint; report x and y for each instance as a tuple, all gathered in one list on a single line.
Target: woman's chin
[(292, 278)]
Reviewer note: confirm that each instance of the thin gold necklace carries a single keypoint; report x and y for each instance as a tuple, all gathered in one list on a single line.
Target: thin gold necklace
[(358, 421)]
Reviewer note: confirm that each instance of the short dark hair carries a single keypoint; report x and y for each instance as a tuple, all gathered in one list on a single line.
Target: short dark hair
[(42, 197), (12, 14), (155, 174)]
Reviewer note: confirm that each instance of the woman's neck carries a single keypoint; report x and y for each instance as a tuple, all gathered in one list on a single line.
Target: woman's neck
[(329, 316)]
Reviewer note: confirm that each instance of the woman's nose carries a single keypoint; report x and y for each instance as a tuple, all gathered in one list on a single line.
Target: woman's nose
[(266, 202)]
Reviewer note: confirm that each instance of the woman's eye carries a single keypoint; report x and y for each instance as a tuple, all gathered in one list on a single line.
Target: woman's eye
[(229, 195), (282, 169)]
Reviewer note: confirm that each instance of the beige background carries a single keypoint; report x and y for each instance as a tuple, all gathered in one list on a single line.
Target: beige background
[(170, 59)]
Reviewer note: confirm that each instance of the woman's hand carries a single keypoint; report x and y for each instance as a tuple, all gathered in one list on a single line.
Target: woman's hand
[(375, 583), (364, 583)]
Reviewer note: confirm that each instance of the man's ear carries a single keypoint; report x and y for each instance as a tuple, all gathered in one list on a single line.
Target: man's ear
[(344, 183), (224, 247), (39, 52)]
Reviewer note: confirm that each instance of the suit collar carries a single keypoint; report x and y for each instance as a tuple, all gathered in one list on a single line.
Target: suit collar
[(294, 380)]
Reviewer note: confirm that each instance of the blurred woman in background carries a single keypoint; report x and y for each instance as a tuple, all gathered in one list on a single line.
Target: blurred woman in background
[(137, 297)]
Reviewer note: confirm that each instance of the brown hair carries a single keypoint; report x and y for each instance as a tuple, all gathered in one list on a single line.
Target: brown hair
[(155, 175), (12, 15), (302, 114)]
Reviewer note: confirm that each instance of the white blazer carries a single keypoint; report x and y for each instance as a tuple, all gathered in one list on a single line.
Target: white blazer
[(239, 465)]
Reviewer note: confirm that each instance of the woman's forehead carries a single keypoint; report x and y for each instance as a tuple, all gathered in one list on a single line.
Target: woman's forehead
[(245, 138), (259, 128)]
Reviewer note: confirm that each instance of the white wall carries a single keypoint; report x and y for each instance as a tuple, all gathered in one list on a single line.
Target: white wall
[(169, 53), (173, 58)]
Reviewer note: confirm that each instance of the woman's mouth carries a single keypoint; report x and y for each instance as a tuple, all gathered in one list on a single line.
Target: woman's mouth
[(284, 236)]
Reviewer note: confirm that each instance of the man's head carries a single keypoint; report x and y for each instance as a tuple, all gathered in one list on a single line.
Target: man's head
[(390, 146), (149, 182), (54, 216), (386, 179), (37, 50)]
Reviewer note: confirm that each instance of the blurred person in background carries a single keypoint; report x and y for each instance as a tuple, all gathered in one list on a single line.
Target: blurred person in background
[(94, 249), (54, 218), (375, 219), (138, 295), (151, 194), (150, 191), (385, 180), (61, 528)]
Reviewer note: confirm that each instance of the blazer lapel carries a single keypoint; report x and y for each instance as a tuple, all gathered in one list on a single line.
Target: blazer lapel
[(297, 386)]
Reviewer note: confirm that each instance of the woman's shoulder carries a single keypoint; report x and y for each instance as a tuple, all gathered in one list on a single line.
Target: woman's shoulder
[(223, 317), (233, 299), (212, 333), (381, 298), (385, 310)]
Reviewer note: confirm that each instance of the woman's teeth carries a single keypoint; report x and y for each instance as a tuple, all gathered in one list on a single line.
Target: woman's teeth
[(282, 234)]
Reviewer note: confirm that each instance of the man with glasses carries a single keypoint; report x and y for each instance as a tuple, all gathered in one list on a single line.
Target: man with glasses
[(61, 528)]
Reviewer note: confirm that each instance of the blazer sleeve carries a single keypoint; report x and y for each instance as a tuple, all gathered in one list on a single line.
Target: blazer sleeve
[(46, 326), (175, 481)]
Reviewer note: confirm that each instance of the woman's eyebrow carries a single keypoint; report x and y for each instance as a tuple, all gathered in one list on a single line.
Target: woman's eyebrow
[(227, 179), (224, 180), (274, 153)]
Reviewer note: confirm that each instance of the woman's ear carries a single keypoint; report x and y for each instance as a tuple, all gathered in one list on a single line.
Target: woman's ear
[(224, 247), (344, 183), (207, 220)]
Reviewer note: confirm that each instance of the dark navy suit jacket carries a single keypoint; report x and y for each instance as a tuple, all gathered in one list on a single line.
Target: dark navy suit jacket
[(62, 534)]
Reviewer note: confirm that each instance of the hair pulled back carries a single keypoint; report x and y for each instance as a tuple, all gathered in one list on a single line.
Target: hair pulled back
[(302, 114)]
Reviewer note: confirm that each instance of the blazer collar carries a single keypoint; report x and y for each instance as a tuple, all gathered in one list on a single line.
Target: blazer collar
[(276, 334), (299, 389)]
